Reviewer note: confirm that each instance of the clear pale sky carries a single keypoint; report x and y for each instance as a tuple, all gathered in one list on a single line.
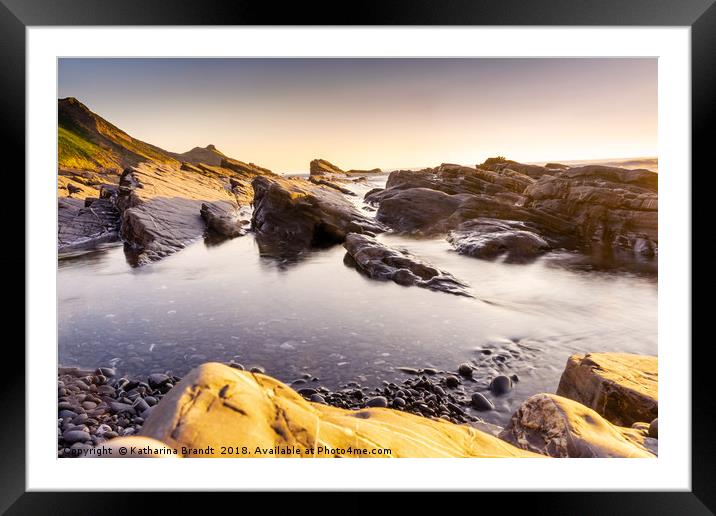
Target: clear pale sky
[(365, 113)]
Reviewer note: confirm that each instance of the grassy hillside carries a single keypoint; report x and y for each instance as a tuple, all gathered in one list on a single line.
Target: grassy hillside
[(76, 152)]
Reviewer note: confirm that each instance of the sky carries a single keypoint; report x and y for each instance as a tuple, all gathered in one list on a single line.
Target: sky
[(388, 113)]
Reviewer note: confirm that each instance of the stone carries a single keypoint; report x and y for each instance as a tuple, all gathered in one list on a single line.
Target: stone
[(465, 369), (378, 401), (621, 387), (452, 382), (560, 427), (80, 226), (383, 263), (501, 385), (215, 404), (75, 436), (321, 167), (156, 380), (480, 402)]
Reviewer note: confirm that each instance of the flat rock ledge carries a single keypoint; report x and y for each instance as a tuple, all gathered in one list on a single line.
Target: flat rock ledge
[(383, 263), (621, 387), (216, 405)]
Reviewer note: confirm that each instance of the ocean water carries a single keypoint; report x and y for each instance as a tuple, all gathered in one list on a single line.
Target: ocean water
[(320, 316)]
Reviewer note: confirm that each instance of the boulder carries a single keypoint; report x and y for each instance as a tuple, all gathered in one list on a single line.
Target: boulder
[(317, 180), (222, 218), (291, 215), (559, 427), (490, 238), (383, 263), (85, 223), (215, 405), (621, 387)]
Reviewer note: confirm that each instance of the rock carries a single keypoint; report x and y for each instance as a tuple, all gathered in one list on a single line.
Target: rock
[(654, 428), (156, 380), (75, 436), (383, 263), (621, 387), (490, 238), (291, 215), (480, 402), (612, 207), (452, 382), (559, 427), (321, 167), (106, 371), (465, 369), (317, 398), (501, 385), (318, 181), (215, 404), (223, 218), (80, 226), (378, 401), (258, 369)]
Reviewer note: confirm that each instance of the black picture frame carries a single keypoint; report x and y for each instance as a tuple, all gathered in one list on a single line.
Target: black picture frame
[(17, 15)]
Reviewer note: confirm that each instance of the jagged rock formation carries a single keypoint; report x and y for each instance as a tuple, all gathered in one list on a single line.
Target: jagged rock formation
[(85, 223), (321, 167), (381, 262), (291, 215), (215, 404), (580, 207), (622, 387), (559, 427)]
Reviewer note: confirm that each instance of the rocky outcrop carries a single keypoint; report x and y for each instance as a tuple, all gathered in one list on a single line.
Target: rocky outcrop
[(358, 172), (82, 223), (248, 170), (214, 405), (383, 263), (492, 238), (161, 209), (223, 218), (291, 215), (321, 167), (612, 207), (621, 387), (317, 180), (559, 427)]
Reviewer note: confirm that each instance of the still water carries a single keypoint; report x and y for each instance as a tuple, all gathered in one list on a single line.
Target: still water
[(319, 316)]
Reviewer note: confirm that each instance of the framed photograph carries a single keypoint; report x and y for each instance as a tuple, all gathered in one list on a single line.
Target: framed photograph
[(425, 232)]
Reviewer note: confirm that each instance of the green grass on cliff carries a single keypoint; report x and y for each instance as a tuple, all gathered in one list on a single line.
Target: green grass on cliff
[(74, 151)]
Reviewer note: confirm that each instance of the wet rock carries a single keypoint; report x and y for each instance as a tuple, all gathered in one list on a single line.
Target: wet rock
[(621, 387), (559, 427), (258, 369), (378, 401), (317, 398), (383, 263), (223, 218), (452, 382), (501, 385), (480, 402), (80, 226), (490, 238), (156, 380), (291, 215), (75, 436), (465, 369)]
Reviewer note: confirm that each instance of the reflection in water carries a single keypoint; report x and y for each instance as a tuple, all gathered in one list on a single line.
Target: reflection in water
[(223, 302)]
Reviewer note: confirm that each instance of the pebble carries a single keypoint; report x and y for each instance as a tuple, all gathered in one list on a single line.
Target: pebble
[(465, 369), (67, 413), (75, 436), (452, 382), (155, 380), (317, 398), (258, 369), (501, 385), (378, 401), (480, 402), (238, 366)]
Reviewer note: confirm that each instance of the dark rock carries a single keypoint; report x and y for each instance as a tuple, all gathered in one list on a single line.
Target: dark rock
[(654, 428), (377, 401), (383, 263), (222, 218), (452, 382), (317, 398), (156, 380), (75, 436), (82, 226), (258, 369), (480, 402), (465, 369), (490, 238), (501, 385)]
